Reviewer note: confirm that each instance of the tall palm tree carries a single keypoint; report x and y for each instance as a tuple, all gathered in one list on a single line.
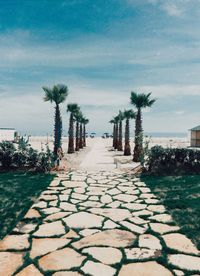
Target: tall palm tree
[(57, 94), (140, 101), (81, 131), (114, 127), (85, 122), (116, 118), (121, 118), (77, 115), (128, 114), (73, 108)]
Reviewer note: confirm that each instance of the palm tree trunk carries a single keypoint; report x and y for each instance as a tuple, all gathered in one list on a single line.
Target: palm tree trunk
[(71, 134), (57, 130), (120, 147), (116, 135), (81, 137), (84, 136), (138, 137), (77, 136), (127, 148)]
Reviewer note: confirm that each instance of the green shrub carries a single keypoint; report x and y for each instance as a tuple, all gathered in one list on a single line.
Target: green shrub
[(173, 161), (25, 157), (7, 151)]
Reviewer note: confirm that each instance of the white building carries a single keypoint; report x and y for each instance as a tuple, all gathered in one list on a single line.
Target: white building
[(7, 134)]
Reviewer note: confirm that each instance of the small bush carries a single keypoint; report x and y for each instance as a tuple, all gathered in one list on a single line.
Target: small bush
[(172, 161), (24, 157), (7, 151)]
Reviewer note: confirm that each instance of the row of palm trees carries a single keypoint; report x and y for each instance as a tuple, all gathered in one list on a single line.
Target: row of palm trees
[(58, 94), (139, 101)]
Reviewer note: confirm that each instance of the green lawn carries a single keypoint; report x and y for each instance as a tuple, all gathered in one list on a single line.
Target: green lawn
[(181, 196), (17, 193)]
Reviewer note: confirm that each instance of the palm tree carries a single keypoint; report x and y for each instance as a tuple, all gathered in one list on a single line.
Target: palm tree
[(121, 117), (116, 118), (139, 101), (85, 122), (58, 95), (128, 114), (77, 118), (114, 127), (73, 109), (81, 131)]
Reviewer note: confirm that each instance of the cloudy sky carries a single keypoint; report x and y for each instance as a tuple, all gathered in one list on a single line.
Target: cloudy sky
[(102, 50)]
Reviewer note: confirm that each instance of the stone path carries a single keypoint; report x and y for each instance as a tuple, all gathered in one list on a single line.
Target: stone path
[(100, 223)]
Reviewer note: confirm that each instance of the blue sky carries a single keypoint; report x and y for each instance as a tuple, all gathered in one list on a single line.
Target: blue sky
[(102, 50)]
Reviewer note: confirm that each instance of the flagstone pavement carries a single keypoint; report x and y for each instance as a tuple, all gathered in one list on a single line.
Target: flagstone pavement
[(98, 223)]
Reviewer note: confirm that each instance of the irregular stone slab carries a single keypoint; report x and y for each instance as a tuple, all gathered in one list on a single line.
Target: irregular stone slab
[(91, 204), (83, 220), (109, 224), (10, 262), (134, 228), (79, 196), (66, 258), (125, 197), (66, 191), (88, 232), (66, 273), (57, 216), (55, 183), (40, 204), (68, 206), (53, 203), (25, 228), (97, 269), (114, 213), (185, 261), (32, 213), (114, 204), (79, 190), (63, 197), (162, 218), (106, 199), (157, 208), (30, 270), (148, 196), (78, 178), (41, 247), (142, 213), (145, 190), (163, 228), (151, 268), (71, 234), (74, 184), (141, 253), (50, 229), (106, 255), (114, 191), (134, 206), (137, 220), (50, 210), (152, 201), (140, 184), (180, 243), (15, 242), (95, 198), (48, 197), (113, 238), (149, 241)]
